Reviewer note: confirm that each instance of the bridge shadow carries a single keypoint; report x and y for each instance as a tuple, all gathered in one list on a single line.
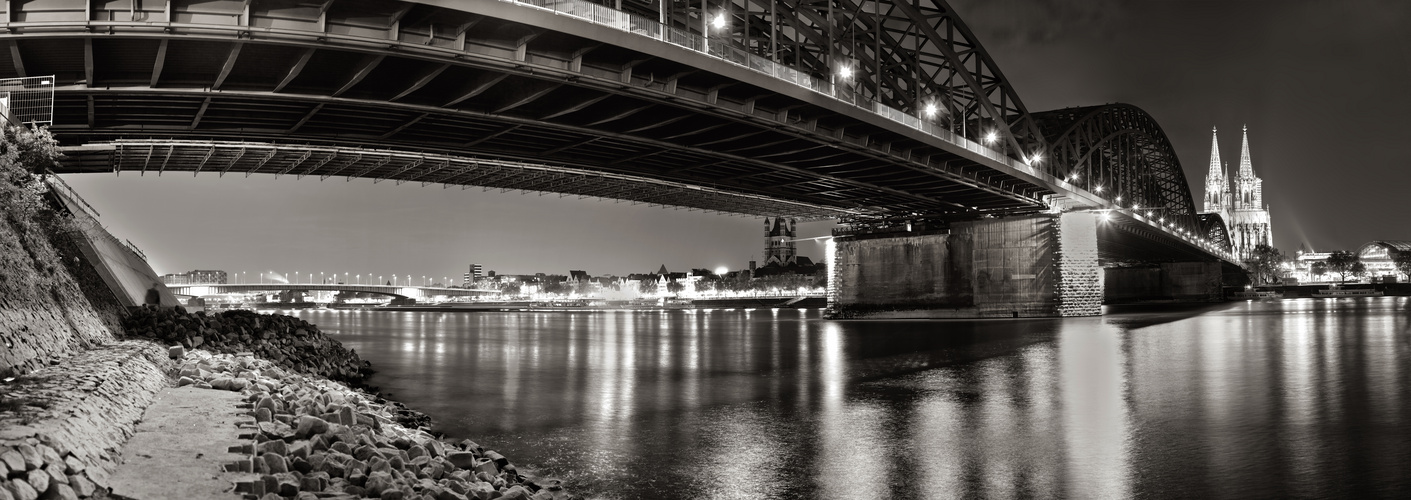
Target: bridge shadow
[(883, 349), (1136, 316)]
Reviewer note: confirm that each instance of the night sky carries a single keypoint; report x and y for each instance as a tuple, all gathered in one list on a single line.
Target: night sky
[(1325, 88)]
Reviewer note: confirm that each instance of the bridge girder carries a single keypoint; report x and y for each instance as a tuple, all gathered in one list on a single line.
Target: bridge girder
[(488, 79)]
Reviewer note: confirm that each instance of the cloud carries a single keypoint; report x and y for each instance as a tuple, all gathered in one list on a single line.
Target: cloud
[(1024, 22)]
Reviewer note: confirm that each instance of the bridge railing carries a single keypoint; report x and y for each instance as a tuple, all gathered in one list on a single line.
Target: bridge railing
[(722, 49)]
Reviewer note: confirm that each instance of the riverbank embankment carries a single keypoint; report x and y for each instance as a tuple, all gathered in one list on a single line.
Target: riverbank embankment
[(78, 372)]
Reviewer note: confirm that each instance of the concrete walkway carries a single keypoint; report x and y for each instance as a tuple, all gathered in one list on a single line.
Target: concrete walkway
[(181, 447)]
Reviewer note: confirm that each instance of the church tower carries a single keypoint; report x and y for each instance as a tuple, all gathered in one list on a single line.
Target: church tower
[(1248, 222), (1217, 183), (779, 246)]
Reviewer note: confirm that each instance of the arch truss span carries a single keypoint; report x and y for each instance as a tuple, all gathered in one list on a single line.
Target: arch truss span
[(1120, 153), (913, 57), (234, 157), (1214, 228)]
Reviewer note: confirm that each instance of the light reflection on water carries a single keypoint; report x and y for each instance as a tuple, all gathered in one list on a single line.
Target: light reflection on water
[(1252, 399)]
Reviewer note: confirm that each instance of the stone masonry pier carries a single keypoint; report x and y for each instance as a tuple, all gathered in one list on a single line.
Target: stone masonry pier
[(1031, 266)]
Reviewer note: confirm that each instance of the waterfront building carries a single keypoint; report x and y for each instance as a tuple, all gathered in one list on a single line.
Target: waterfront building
[(1242, 207), (199, 276), (473, 275), (1380, 258)]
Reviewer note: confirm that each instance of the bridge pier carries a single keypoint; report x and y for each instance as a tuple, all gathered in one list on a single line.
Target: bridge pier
[(1042, 265)]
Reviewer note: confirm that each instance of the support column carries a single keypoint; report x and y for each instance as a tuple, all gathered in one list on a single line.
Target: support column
[(1080, 281), (1032, 266)]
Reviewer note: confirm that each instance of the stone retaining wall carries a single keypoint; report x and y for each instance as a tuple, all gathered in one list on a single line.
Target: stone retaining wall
[(44, 315), (61, 426)]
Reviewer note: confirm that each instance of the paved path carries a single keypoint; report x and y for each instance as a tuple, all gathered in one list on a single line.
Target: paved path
[(181, 447)]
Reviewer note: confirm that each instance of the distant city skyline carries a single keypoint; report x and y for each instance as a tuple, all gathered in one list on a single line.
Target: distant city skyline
[(1319, 85), (285, 225)]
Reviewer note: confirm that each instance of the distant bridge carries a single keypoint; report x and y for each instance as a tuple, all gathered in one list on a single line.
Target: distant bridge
[(414, 292)]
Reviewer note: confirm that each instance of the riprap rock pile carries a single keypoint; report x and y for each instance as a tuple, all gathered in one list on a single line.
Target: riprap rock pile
[(291, 343), (320, 439)]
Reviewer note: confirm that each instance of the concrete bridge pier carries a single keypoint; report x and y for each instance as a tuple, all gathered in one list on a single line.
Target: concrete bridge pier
[(1043, 265)]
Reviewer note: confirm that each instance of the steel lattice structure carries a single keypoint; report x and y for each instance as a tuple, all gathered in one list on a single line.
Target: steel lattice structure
[(1213, 228), (1119, 152), (905, 55)]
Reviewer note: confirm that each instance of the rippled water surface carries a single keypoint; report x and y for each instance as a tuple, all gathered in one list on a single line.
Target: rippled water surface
[(1297, 398)]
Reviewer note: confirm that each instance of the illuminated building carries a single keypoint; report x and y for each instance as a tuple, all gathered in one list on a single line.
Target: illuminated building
[(1242, 208), (199, 276), (1379, 257), (473, 275)]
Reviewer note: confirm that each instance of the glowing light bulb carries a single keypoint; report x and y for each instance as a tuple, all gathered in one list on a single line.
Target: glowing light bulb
[(718, 22)]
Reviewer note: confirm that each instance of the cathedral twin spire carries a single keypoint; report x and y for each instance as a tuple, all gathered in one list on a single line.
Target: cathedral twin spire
[(1241, 206), (1217, 183), (1248, 191)]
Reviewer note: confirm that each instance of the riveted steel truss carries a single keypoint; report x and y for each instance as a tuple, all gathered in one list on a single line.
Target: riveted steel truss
[(1119, 152), (1213, 227), (914, 56)]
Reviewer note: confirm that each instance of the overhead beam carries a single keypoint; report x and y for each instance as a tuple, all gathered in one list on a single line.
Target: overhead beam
[(526, 99), (160, 62), (476, 88), (403, 126), (88, 63), (576, 107), (205, 103), (487, 137), (421, 82), (552, 151), (229, 65), (620, 115), (661, 123), (689, 133), (17, 59), (306, 118), (369, 63), (294, 70)]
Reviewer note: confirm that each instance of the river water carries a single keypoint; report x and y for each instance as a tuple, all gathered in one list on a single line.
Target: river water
[(1293, 398)]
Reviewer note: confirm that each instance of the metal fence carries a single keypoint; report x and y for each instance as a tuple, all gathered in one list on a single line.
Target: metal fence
[(28, 100)]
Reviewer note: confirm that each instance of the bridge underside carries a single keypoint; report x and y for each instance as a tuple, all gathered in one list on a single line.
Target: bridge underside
[(610, 114)]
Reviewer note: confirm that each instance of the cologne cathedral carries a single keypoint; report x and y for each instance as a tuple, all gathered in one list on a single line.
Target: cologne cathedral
[(1242, 208)]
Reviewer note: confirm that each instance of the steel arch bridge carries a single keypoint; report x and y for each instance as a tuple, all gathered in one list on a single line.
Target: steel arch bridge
[(853, 110)]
